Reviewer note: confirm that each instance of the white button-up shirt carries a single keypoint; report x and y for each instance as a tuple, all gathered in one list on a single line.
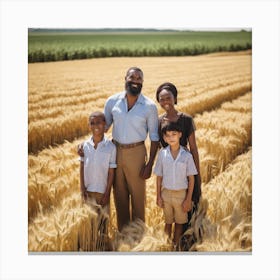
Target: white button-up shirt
[(97, 163), (175, 172), (131, 126)]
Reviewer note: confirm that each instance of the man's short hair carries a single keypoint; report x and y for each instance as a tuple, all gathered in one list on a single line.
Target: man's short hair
[(134, 69)]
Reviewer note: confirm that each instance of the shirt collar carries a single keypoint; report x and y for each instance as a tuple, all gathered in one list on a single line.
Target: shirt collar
[(140, 98), (179, 154), (102, 143)]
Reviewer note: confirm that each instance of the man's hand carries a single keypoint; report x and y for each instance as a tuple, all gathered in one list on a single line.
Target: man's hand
[(146, 171), (80, 149)]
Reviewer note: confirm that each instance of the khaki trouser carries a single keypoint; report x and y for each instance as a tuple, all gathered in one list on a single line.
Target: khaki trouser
[(128, 185)]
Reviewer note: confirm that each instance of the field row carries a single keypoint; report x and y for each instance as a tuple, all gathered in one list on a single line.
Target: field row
[(64, 81), (67, 90), (227, 200), (54, 173), (223, 134), (53, 121), (51, 46), (42, 55), (54, 114), (63, 106), (74, 122)]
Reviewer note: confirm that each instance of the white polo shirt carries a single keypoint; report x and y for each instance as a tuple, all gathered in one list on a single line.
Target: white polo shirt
[(175, 172), (97, 163)]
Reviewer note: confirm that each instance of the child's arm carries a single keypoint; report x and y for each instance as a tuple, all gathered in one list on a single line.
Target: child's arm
[(159, 198), (106, 196), (187, 203), (82, 181)]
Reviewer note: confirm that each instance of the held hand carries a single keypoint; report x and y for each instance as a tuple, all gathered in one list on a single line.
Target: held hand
[(146, 171), (187, 205), (80, 150), (105, 199)]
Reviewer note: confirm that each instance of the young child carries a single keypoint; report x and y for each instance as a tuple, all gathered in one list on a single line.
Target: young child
[(175, 170), (98, 164)]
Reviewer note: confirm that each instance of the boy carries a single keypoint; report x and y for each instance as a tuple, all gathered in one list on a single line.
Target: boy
[(175, 170), (98, 163)]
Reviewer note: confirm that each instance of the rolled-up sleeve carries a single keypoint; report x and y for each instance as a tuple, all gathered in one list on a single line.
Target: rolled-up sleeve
[(112, 163), (152, 123)]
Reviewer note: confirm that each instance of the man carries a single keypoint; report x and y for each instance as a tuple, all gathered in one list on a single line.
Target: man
[(133, 116)]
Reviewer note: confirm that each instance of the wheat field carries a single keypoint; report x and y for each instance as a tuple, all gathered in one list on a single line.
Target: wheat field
[(216, 89)]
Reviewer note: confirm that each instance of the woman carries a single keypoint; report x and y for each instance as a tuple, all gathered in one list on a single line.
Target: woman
[(166, 95)]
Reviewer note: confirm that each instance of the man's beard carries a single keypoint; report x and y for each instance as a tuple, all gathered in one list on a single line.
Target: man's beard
[(133, 88)]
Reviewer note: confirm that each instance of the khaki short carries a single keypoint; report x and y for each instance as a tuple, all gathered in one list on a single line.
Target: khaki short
[(173, 209)]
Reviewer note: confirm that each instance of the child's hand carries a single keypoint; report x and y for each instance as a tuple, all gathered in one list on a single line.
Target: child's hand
[(80, 150), (84, 195), (105, 199), (187, 205), (160, 202)]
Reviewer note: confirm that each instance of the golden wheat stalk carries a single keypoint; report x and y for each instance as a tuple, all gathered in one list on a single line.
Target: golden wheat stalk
[(227, 199), (71, 227), (80, 92)]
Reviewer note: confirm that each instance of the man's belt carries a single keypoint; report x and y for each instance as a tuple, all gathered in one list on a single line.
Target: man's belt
[(127, 146)]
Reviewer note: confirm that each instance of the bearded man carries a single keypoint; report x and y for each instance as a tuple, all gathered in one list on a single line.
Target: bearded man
[(133, 116)]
